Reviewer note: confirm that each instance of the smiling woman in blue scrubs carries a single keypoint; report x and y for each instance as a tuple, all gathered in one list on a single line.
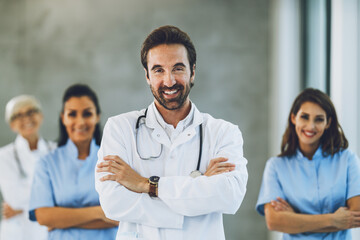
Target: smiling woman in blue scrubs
[(63, 194), (312, 189)]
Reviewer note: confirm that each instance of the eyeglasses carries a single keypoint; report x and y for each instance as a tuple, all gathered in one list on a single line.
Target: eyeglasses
[(28, 113)]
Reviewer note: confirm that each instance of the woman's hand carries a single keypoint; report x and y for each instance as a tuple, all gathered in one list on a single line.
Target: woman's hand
[(218, 166), (8, 211), (281, 205), (343, 218), (122, 173)]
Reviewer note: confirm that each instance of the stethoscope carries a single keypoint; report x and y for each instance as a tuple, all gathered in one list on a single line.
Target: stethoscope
[(194, 173), (18, 163)]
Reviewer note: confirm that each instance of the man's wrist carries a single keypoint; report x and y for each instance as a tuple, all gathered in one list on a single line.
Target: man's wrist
[(145, 185)]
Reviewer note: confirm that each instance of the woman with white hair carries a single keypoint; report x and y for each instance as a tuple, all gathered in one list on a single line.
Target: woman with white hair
[(17, 163)]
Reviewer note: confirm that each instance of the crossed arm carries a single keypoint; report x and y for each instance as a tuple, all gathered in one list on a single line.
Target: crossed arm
[(122, 173), (61, 217), (280, 216)]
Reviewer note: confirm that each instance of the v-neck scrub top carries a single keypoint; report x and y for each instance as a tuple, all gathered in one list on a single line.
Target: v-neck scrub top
[(63, 180), (316, 186)]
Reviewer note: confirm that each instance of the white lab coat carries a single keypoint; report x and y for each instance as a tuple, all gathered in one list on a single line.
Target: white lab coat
[(187, 208), (16, 189)]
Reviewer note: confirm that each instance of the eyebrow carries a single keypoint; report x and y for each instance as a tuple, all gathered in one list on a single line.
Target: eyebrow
[(175, 65), (320, 115), (179, 64), (86, 109)]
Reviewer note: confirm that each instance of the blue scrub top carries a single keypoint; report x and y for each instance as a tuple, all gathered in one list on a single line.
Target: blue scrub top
[(61, 179), (316, 186)]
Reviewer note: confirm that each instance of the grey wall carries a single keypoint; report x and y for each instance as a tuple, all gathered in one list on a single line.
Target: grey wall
[(47, 45)]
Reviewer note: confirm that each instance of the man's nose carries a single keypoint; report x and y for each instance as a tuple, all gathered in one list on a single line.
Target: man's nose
[(169, 80)]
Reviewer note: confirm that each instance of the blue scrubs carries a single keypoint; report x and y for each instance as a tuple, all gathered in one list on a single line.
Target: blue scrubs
[(63, 180), (316, 186)]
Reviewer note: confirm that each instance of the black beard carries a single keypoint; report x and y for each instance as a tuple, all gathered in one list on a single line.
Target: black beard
[(179, 100)]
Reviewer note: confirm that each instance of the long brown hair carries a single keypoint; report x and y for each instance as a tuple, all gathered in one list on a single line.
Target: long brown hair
[(79, 90), (332, 141)]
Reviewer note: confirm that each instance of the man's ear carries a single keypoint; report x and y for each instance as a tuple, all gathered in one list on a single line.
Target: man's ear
[(193, 74), (147, 76)]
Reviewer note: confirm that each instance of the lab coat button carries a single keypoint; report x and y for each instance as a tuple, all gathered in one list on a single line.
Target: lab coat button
[(158, 135)]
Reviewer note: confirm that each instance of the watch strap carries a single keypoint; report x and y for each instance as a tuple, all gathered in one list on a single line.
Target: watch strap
[(153, 185)]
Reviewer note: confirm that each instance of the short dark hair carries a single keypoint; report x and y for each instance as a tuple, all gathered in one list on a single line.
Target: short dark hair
[(168, 35), (79, 90), (333, 139)]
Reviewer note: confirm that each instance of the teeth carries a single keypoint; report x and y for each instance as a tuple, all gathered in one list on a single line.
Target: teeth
[(170, 92), (309, 134)]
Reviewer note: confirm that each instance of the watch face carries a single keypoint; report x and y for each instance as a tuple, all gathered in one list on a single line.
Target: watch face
[(154, 179)]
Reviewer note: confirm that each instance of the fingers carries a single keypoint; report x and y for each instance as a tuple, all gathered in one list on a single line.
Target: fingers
[(280, 205), (218, 166), (108, 166), (114, 158), (110, 177), (217, 160), (282, 201), (356, 213), (111, 164)]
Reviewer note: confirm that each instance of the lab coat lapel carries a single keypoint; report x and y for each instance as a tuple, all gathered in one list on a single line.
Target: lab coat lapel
[(189, 132), (158, 133)]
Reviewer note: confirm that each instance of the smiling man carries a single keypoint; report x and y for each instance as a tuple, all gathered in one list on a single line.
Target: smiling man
[(170, 171)]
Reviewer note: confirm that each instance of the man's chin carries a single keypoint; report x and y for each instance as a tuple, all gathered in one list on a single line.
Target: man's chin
[(171, 105)]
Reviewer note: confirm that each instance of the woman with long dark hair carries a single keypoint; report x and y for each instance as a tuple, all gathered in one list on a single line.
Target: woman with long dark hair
[(63, 193), (312, 189)]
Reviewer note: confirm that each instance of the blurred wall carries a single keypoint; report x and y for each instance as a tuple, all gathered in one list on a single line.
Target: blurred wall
[(47, 45)]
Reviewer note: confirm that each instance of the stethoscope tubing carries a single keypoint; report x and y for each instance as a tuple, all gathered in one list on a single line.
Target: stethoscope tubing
[(18, 163), (137, 128)]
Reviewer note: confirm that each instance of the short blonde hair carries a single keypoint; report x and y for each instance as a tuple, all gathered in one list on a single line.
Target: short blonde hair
[(18, 102)]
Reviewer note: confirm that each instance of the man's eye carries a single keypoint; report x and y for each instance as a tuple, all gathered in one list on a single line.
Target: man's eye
[(304, 117), (319, 119), (179, 69), (158, 70)]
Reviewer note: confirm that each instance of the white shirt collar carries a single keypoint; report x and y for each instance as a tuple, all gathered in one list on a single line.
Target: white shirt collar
[(23, 145), (155, 120), (187, 121)]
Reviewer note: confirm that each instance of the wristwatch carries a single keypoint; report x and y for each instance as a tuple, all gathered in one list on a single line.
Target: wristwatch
[(153, 181)]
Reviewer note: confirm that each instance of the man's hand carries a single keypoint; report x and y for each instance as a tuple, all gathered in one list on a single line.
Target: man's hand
[(219, 165), (8, 211), (122, 173), (281, 205)]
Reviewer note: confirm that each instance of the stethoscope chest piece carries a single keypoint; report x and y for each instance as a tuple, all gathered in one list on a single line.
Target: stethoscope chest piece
[(195, 173)]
